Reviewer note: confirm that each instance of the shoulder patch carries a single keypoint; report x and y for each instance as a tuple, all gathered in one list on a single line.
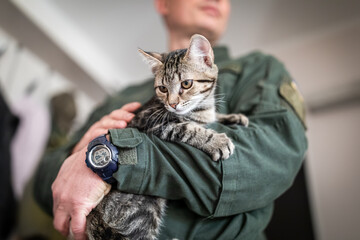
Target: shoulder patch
[(232, 67), (289, 91)]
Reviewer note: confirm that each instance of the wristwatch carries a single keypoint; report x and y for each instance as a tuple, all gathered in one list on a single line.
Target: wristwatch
[(102, 158)]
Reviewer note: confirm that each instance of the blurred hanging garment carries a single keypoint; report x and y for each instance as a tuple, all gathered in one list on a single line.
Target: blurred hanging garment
[(29, 141)]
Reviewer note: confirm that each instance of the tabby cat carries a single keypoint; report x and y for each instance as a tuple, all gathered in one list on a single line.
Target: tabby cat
[(185, 82)]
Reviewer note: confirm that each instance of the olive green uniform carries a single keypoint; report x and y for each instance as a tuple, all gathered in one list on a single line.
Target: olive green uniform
[(230, 199)]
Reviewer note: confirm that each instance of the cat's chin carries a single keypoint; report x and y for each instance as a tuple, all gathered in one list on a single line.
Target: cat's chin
[(182, 112), (179, 111)]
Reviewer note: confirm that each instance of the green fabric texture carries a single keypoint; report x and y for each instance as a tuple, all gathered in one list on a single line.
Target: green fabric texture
[(230, 199)]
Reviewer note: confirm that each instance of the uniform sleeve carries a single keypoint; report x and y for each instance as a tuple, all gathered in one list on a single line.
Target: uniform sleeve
[(268, 153)]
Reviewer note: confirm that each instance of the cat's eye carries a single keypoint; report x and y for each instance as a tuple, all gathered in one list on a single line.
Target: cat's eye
[(186, 84), (163, 89)]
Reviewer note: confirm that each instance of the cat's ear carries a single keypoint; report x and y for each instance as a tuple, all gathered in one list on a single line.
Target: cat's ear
[(153, 59), (200, 49)]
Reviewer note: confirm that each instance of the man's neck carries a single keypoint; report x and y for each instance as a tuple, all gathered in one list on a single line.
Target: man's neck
[(180, 40)]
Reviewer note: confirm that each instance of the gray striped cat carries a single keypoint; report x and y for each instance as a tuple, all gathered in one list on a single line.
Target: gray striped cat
[(184, 102)]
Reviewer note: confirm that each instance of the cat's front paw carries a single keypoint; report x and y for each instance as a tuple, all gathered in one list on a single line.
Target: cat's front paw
[(221, 147)]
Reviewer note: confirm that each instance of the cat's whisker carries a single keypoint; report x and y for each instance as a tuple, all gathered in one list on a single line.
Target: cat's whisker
[(150, 117), (163, 120), (156, 119), (219, 98), (160, 117), (156, 112), (152, 121)]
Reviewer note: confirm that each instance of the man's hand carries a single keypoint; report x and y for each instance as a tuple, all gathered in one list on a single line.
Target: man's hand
[(77, 189), (116, 119)]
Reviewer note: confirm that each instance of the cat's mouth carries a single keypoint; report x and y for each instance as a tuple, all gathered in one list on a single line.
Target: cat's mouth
[(182, 112), (186, 107), (179, 110)]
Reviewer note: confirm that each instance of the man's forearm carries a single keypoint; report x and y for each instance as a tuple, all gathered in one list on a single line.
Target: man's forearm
[(251, 178), (267, 156)]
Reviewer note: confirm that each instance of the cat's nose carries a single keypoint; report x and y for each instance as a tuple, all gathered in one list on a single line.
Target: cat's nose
[(173, 105)]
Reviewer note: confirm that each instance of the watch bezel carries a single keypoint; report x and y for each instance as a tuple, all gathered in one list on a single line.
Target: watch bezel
[(95, 148)]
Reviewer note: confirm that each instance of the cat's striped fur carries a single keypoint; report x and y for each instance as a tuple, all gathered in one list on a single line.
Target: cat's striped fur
[(185, 82)]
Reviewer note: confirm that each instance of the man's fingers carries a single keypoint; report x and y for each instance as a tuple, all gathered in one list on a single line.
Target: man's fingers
[(61, 222), (116, 119), (78, 226), (120, 114), (131, 107), (109, 123)]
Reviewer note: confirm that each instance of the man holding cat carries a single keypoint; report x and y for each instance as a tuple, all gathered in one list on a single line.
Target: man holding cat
[(231, 199)]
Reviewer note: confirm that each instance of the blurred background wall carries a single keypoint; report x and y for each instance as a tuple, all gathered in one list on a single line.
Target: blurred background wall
[(89, 48)]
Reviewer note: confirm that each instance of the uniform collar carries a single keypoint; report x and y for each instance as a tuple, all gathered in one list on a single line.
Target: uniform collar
[(221, 54)]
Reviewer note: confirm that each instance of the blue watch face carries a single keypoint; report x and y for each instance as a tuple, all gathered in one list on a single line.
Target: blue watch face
[(100, 156)]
